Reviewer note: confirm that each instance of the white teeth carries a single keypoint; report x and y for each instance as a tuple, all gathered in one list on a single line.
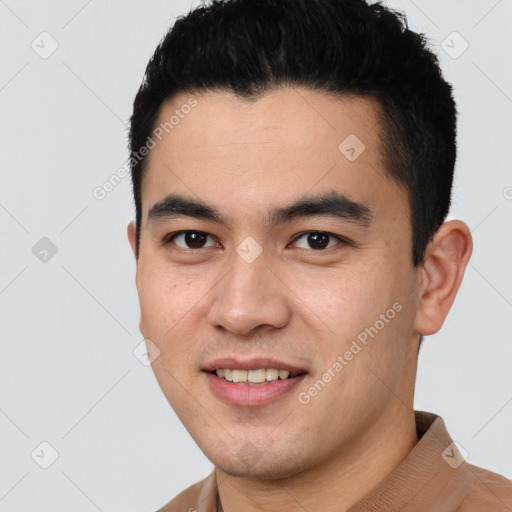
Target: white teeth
[(283, 374), (259, 376), (239, 375), (256, 376), (272, 374)]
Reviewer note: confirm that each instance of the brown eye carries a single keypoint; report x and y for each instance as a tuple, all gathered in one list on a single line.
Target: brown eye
[(191, 240), (318, 240)]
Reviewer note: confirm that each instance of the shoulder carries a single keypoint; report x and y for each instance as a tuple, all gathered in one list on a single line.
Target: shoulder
[(199, 497), (489, 491)]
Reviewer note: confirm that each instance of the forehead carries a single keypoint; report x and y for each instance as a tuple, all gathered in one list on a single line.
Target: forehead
[(288, 114), (270, 150)]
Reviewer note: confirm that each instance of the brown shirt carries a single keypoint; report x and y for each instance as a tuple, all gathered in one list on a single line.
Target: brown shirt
[(433, 477)]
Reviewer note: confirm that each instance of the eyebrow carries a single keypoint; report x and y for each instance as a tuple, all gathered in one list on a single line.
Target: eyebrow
[(333, 204)]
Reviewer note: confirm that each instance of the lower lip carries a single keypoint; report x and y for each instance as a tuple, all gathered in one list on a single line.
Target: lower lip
[(245, 395)]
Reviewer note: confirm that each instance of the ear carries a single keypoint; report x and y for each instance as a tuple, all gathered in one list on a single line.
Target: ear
[(445, 261), (132, 230)]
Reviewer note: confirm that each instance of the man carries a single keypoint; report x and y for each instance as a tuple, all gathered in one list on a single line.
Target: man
[(292, 164)]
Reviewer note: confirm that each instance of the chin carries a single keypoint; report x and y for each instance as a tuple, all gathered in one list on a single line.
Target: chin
[(270, 474), (250, 462)]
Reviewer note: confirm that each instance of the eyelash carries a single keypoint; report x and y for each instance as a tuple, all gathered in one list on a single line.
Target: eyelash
[(342, 241)]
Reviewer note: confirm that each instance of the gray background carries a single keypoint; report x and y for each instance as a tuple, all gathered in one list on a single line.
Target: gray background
[(69, 320)]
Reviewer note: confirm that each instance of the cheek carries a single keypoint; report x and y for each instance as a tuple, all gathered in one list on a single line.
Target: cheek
[(168, 306), (341, 300), (164, 300), (367, 304)]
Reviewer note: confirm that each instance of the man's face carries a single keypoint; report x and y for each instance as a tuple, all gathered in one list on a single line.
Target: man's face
[(307, 289)]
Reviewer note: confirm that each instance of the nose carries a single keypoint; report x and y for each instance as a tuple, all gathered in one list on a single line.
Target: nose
[(250, 297)]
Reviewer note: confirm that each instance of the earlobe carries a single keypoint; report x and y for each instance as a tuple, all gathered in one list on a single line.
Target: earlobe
[(446, 258), (131, 231)]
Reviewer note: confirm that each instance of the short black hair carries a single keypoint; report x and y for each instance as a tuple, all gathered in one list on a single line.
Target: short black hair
[(346, 47)]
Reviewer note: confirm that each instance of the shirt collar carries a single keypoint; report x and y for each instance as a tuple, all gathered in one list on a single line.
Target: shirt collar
[(421, 475)]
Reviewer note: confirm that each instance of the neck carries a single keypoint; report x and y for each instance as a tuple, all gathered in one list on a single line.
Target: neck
[(335, 485)]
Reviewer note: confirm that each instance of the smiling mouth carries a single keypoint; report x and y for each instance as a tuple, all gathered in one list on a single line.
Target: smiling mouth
[(257, 377)]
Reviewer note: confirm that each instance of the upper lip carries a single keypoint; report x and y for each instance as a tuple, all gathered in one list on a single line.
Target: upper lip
[(255, 363)]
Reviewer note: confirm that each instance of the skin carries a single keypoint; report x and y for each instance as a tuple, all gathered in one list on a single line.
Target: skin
[(299, 304)]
